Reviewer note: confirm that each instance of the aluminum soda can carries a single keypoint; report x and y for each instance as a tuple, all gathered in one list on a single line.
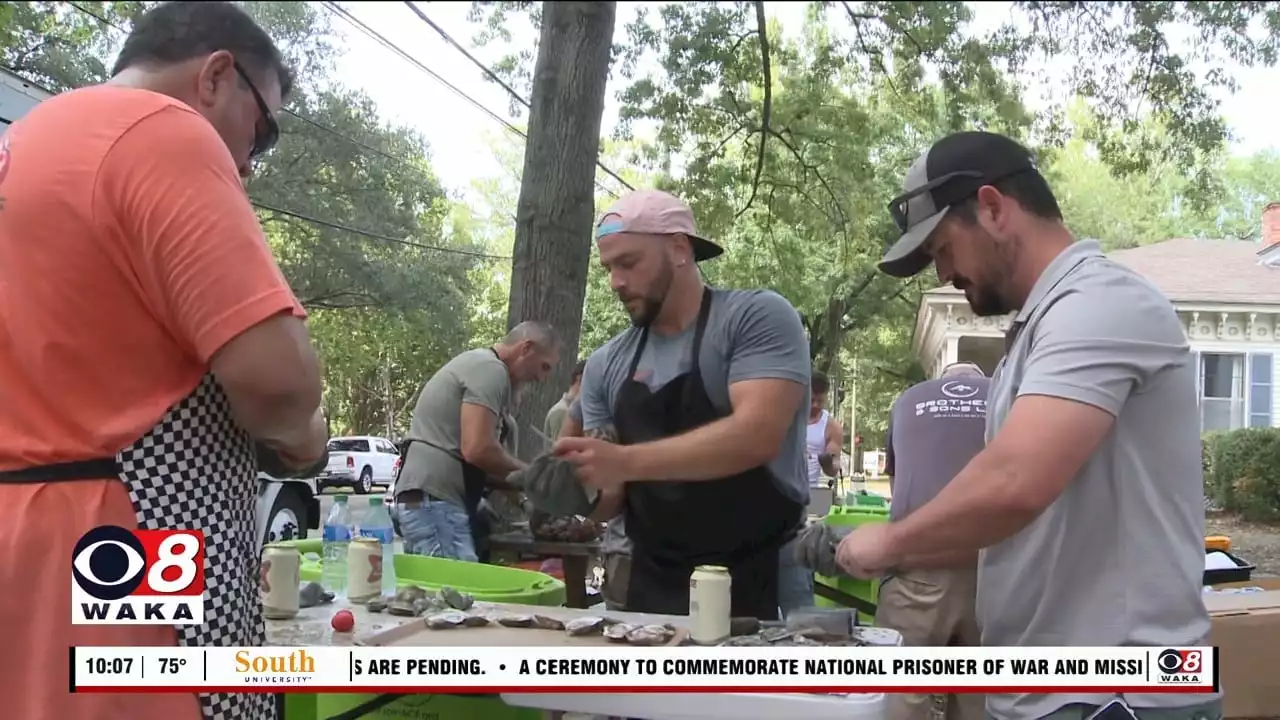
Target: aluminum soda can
[(364, 570), (279, 581)]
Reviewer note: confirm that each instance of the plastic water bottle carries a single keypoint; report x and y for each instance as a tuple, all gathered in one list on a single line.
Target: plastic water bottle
[(376, 523), (337, 536)]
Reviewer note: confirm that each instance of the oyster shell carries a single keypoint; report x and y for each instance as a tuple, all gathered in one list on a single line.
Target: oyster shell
[(401, 608), (651, 635), (456, 600), (542, 622), (618, 632), (446, 620), (585, 626)]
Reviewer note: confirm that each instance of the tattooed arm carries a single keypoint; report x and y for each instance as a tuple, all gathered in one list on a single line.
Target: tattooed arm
[(610, 504)]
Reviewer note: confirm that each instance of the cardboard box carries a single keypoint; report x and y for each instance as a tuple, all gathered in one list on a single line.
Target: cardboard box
[(1246, 630)]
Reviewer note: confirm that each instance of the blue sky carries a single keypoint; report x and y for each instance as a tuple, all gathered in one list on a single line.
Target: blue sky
[(460, 134)]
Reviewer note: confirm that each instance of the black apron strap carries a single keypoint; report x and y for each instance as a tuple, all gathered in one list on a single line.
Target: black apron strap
[(63, 472), (635, 357), (699, 330)]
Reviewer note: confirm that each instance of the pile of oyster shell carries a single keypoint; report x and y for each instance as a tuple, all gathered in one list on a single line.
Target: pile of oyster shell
[(411, 601), (612, 630), (784, 637), (573, 529)]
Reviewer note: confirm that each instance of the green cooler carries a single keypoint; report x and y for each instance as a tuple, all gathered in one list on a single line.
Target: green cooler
[(486, 583), (869, 590)]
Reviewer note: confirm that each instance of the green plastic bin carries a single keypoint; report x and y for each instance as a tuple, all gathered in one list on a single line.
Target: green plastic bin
[(870, 501), (491, 583), (869, 590), (487, 583)]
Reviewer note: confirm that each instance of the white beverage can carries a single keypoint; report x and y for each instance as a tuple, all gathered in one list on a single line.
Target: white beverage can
[(709, 603), (278, 581), (364, 570)]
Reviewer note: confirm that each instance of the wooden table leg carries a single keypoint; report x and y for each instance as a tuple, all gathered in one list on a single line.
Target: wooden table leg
[(575, 581)]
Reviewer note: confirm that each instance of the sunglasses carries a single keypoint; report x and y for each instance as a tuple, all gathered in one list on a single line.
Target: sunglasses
[(898, 206), (267, 133)]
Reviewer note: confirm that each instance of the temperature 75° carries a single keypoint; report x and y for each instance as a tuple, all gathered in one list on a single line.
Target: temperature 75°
[(171, 666)]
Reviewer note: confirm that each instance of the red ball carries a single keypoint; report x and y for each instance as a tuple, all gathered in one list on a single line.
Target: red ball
[(343, 621)]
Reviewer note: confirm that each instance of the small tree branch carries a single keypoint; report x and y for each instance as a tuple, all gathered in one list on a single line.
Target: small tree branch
[(762, 29)]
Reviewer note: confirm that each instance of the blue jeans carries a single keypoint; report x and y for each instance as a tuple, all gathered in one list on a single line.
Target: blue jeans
[(439, 529), (795, 581)]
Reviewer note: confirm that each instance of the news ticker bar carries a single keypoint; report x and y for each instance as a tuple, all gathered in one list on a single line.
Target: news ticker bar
[(604, 669)]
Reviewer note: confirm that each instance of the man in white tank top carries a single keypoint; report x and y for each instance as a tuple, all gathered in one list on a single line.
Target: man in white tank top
[(824, 438)]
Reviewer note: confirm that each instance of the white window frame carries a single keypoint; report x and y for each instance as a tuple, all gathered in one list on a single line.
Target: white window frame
[(1240, 384)]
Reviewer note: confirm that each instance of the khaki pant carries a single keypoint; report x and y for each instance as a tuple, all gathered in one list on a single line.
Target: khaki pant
[(932, 608)]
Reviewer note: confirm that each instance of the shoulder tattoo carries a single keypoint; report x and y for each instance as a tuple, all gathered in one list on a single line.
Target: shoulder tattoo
[(608, 433)]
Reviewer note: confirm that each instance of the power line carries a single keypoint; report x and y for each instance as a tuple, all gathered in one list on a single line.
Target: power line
[(382, 40), (494, 76), (313, 123), (375, 236), (353, 141)]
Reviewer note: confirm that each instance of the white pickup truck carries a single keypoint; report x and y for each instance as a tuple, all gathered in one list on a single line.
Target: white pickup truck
[(360, 462)]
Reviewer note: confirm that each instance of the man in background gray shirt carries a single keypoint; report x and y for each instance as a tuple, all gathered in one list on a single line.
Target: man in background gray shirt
[(455, 450), (935, 429)]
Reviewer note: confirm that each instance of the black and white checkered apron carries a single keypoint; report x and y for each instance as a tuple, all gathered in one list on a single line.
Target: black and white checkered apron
[(197, 469)]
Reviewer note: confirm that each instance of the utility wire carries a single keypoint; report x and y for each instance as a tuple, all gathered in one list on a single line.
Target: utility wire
[(376, 236), (382, 40), (353, 141), (494, 77), (288, 111)]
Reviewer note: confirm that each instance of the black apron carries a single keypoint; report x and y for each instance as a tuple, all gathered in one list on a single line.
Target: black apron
[(196, 469), (740, 522)]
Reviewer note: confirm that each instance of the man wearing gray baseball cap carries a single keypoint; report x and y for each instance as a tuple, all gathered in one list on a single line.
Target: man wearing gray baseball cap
[(1087, 503)]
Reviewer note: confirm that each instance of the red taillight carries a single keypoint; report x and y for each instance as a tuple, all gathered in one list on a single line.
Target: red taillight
[(351, 462), (396, 465)]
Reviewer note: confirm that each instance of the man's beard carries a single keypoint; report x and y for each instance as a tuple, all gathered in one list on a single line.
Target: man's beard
[(985, 301), (986, 297), (654, 300)]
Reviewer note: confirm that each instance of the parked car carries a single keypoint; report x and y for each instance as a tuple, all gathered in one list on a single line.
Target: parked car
[(359, 462)]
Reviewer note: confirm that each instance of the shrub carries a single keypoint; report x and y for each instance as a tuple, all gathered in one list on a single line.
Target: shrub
[(1245, 466), (1208, 446)]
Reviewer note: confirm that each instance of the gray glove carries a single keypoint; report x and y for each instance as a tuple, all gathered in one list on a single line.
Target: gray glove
[(816, 548), (553, 488)]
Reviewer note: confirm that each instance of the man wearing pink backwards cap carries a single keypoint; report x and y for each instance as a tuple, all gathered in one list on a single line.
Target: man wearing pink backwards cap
[(694, 419)]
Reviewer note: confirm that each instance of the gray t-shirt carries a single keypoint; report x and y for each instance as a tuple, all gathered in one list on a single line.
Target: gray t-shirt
[(750, 334), (1118, 558), (477, 377), (935, 429)]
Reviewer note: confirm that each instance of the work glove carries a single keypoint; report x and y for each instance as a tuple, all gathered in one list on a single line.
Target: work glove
[(553, 488), (815, 548)]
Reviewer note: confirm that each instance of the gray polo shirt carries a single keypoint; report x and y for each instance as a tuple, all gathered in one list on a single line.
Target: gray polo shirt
[(1118, 558)]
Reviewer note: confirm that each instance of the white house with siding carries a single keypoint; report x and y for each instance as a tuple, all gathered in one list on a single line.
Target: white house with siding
[(1226, 292)]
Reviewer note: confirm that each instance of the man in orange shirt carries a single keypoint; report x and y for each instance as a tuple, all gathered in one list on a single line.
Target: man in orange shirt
[(148, 345)]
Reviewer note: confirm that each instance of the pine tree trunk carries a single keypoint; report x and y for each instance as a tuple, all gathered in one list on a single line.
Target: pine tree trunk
[(556, 210)]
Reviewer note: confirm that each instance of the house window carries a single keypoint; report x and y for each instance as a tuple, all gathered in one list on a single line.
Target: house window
[(1222, 391)]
